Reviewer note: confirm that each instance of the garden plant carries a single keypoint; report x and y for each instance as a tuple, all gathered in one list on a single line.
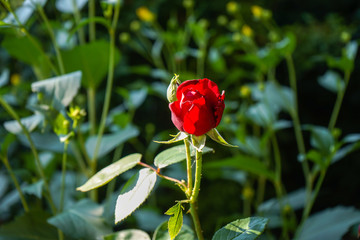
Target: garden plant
[(176, 120)]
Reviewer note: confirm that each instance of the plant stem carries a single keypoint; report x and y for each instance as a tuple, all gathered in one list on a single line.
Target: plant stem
[(63, 175), (92, 109), (297, 127), (194, 196), (14, 115), (15, 181), (52, 36), (180, 183), (109, 84), (77, 17), (92, 29), (188, 168), (339, 100)]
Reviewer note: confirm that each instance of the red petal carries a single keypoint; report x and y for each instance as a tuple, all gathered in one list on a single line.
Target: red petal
[(176, 115)]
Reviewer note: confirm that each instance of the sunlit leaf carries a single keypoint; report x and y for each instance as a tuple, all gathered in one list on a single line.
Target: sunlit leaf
[(174, 155), (82, 221), (67, 6), (331, 223), (178, 137), (162, 233), (215, 135), (24, 12), (108, 173), (30, 123), (60, 90), (176, 219), (242, 229), (134, 193), (129, 234)]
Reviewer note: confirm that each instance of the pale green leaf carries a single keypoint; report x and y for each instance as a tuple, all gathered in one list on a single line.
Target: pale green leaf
[(331, 223), (321, 138), (242, 229), (82, 221), (162, 233), (110, 172), (129, 234), (178, 137), (67, 6), (4, 76), (215, 135), (30, 123), (176, 220), (60, 90), (174, 155), (332, 81), (110, 141), (245, 163), (134, 193)]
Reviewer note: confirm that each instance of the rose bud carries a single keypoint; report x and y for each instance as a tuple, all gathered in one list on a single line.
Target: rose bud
[(171, 90), (198, 108)]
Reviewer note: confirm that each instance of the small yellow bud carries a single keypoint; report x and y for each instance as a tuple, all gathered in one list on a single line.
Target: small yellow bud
[(247, 31), (135, 26), (222, 20), (232, 7), (257, 11), (124, 37), (15, 79), (145, 14), (245, 91), (248, 192), (345, 37)]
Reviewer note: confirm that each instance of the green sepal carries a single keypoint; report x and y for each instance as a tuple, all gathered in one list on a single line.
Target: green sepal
[(198, 142), (176, 138), (215, 135), (176, 220)]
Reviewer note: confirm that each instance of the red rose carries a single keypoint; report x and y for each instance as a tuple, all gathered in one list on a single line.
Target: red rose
[(199, 106)]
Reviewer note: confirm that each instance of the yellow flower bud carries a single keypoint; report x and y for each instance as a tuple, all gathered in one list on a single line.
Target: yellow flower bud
[(247, 31), (257, 11), (15, 79), (248, 192), (232, 7), (145, 14), (245, 91)]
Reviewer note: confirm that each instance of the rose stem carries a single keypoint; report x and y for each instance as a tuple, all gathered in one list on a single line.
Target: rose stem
[(194, 196), (188, 166)]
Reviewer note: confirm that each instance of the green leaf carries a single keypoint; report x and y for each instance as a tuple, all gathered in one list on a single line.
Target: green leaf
[(43, 141), (92, 59), (243, 162), (242, 229), (351, 50), (59, 91), (34, 189), (108, 173), (134, 193), (276, 95), (176, 220), (215, 135), (174, 155), (30, 226), (321, 139), (262, 114), (178, 137), (162, 233), (287, 45), (30, 123), (332, 81), (24, 12), (4, 77), (129, 234), (67, 6), (61, 125), (331, 223), (110, 141), (82, 221)]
